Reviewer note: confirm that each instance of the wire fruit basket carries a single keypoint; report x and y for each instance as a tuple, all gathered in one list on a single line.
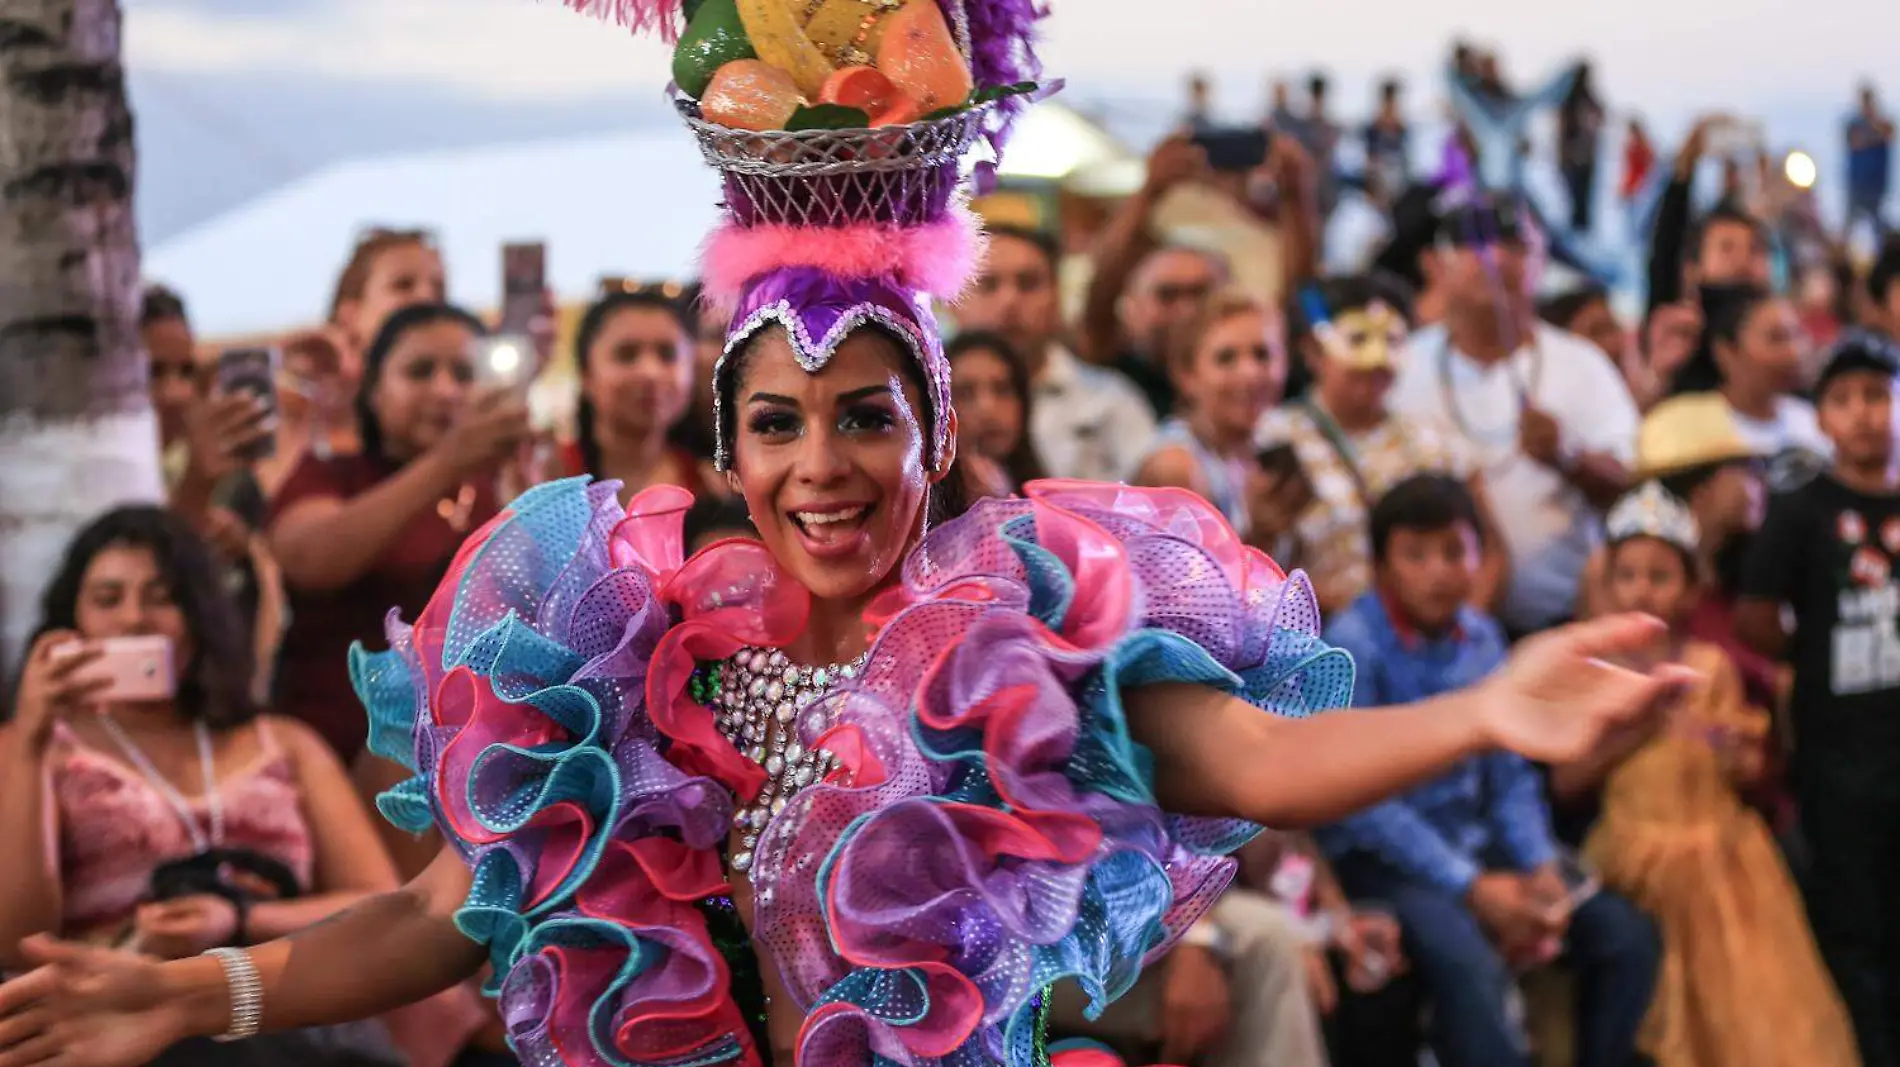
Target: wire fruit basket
[(904, 175)]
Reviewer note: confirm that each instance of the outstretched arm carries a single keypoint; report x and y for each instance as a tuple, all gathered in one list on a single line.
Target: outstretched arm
[(1557, 699), (103, 1008)]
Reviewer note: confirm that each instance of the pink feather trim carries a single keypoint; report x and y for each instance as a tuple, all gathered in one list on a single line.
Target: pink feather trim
[(640, 16), (937, 258)]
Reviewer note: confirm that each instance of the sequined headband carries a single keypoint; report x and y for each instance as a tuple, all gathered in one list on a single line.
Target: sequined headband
[(818, 310)]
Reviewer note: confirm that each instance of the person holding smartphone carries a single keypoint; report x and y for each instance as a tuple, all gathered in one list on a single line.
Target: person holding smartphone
[(356, 532), (132, 750)]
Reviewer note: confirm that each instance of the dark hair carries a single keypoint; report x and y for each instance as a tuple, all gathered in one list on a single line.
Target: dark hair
[(1562, 309), (1691, 566), (1340, 294), (713, 514), (1683, 483), (593, 321), (353, 282), (1043, 241), (1725, 311), (1885, 272), (160, 304), (1022, 464), (949, 498), (399, 323), (1729, 316), (1720, 214), (1316, 85), (216, 685), (1389, 89), (1425, 503)]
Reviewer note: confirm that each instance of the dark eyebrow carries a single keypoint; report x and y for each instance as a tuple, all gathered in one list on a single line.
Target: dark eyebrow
[(861, 394), (843, 398)]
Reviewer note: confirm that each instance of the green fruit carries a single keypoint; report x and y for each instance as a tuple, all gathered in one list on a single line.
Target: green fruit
[(714, 37)]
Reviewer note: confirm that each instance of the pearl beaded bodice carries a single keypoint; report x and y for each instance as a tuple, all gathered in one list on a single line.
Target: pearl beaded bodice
[(764, 703)]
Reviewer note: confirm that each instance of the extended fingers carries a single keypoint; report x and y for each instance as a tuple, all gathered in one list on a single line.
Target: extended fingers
[(42, 1049), (23, 1026), (1613, 636)]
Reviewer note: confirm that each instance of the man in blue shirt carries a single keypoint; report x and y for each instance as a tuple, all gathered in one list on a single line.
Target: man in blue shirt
[(1468, 862), (1869, 161)]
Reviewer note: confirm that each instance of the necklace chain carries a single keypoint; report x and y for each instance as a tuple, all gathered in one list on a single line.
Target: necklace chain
[(764, 703), (202, 733)]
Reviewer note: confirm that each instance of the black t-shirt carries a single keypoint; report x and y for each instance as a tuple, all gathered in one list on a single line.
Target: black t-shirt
[(1828, 552)]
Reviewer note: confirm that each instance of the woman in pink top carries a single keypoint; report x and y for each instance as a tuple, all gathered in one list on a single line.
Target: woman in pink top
[(113, 792)]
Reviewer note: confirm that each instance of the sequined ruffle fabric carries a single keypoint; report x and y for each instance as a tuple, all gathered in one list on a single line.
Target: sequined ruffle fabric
[(990, 827)]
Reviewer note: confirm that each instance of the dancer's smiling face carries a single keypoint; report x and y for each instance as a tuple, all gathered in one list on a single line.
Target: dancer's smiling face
[(834, 466)]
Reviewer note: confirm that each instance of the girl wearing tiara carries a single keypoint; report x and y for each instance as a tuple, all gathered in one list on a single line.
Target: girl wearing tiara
[(858, 792), (1676, 837)]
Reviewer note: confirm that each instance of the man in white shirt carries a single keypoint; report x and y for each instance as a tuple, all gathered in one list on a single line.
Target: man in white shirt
[(1087, 421), (1548, 416)]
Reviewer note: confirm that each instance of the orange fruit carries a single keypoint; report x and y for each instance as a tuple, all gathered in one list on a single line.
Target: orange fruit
[(750, 94), (918, 53), (868, 90)]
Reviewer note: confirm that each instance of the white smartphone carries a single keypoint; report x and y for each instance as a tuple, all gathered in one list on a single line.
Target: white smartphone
[(504, 359), (137, 668)]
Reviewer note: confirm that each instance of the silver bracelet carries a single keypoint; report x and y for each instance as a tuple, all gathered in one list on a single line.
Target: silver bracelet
[(247, 993)]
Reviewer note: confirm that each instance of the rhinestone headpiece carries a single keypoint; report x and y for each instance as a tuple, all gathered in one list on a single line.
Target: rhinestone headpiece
[(1652, 511)]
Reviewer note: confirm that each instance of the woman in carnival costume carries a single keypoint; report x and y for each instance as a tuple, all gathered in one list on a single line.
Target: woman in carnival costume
[(859, 792)]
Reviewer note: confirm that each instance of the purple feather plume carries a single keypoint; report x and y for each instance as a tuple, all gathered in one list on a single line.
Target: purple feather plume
[(1002, 35), (640, 16)]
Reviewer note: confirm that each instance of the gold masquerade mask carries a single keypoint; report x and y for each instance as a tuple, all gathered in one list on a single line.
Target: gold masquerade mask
[(1367, 338)]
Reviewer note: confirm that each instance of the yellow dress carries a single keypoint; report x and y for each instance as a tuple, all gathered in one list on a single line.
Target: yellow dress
[(1742, 984)]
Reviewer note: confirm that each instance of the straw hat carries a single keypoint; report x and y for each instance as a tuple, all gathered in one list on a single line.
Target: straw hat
[(1690, 431)]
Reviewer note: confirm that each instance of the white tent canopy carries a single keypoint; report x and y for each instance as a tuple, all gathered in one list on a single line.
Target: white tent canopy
[(634, 205)]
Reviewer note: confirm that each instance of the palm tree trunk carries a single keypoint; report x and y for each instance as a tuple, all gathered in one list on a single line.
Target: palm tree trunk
[(77, 434)]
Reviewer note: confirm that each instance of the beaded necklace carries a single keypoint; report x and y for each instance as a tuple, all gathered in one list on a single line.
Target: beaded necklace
[(762, 702)]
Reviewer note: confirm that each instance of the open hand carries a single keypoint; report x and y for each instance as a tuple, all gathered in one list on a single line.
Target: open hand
[(1561, 697), (86, 1007)]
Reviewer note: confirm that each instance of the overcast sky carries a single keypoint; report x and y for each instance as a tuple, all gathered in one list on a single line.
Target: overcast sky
[(235, 96)]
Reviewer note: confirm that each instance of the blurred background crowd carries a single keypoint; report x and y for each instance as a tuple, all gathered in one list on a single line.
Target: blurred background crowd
[(1489, 357)]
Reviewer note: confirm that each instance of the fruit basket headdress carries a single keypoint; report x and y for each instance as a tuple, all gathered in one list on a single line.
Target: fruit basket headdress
[(840, 130)]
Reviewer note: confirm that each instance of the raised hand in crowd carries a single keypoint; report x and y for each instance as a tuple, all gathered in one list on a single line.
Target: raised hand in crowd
[(1173, 162), (487, 434), (53, 685), (224, 431)]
